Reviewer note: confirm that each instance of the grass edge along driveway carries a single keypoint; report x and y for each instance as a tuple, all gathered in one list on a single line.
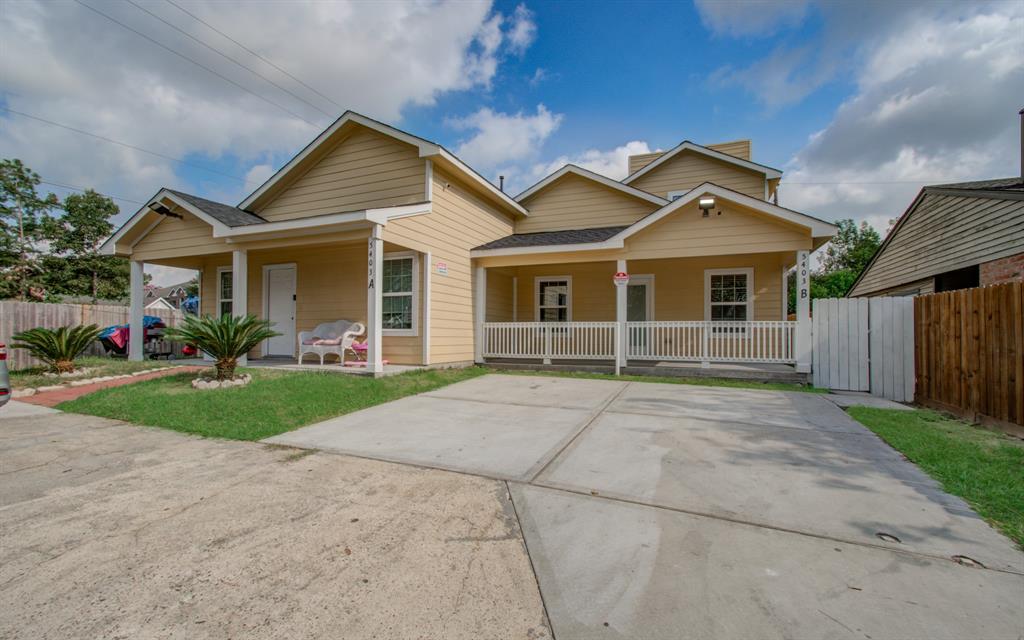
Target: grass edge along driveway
[(274, 402), (279, 401), (983, 467)]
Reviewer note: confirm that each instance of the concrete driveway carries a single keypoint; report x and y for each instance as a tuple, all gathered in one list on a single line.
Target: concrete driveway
[(667, 511)]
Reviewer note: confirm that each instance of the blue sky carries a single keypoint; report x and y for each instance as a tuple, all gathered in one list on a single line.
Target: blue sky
[(861, 103)]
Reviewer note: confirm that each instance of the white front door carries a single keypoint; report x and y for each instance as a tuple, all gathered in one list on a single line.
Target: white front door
[(280, 309)]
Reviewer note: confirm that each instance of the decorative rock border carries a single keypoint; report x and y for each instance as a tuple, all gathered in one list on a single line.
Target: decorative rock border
[(207, 383), (81, 382)]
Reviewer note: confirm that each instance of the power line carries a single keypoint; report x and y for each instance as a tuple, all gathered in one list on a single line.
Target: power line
[(216, 30), (226, 57), (198, 64), (83, 190), (126, 145)]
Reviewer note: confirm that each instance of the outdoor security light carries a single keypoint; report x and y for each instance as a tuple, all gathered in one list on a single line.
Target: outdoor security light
[(706, 205)]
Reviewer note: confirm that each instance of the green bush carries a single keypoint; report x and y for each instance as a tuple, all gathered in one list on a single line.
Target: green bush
[(226, 338), (58, 348)]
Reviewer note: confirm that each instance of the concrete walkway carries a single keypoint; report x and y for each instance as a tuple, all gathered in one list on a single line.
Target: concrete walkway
[(57, 396), (649, 509)]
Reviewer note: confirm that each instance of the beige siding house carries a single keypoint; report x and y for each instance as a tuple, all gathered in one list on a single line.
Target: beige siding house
[(372, 224), (952, 236)]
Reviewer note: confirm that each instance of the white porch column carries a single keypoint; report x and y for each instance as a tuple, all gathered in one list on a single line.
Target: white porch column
[(620, 318), (374, 304), (803, 312), (240, 288), (135, 310), (479, 312)]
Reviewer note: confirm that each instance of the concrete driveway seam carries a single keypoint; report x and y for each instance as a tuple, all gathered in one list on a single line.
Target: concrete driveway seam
[(667, 414), (553, 455), (533, 565)]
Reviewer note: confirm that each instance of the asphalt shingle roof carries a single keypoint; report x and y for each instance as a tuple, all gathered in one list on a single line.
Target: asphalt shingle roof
[(544, 238), (231, 216), (1001, 184)]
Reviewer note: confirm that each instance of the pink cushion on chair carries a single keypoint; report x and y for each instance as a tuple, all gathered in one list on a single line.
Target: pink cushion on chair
[(327, 341), (311, 340), (359, 346)]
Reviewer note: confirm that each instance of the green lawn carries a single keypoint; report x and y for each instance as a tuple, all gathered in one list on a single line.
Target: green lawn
[(274, 402), (983, 467), (33, 376), (704, 382)]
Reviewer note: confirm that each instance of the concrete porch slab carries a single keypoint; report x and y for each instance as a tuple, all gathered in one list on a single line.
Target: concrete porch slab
[(848, 486), (613, 570)]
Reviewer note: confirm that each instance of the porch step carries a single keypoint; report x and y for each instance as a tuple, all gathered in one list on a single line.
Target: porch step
[(748, 372), (753, 372)]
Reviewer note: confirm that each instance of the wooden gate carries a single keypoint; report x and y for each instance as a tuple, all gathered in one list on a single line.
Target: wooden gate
[(864, 344)]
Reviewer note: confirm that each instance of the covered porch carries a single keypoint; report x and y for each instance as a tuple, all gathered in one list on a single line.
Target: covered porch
[(724, 315), (297, 274)]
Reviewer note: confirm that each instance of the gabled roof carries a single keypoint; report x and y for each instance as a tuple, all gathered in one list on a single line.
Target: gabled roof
[(818, 228), (686, 145), (546, 238), (596, 177), (981, 190), (231, 216), (232, 223), (426, 148)]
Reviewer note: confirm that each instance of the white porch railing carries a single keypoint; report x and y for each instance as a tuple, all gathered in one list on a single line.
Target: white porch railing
[(551, 340), (756, 341)]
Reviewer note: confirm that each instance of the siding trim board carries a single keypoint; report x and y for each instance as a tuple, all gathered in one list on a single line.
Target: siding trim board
[(686, 145)]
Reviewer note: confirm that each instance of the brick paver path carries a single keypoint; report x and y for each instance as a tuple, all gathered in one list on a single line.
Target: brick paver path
[(55, 397)]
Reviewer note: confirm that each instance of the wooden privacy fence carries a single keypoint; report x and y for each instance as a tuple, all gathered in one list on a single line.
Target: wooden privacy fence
[(16, 317), (864, 344), (970, 352)]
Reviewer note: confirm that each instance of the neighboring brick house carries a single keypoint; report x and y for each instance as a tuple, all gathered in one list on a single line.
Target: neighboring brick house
[(953, 236)]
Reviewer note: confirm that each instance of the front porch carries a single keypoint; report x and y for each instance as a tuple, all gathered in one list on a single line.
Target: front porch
[(721, 316)]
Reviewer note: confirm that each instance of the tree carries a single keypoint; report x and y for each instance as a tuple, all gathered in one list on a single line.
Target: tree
[(75, 266), (851, 248), (22, 212)]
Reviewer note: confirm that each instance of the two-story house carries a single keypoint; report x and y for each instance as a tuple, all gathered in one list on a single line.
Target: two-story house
[(684, 259)]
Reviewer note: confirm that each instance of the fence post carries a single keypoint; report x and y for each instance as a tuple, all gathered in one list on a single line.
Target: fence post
[(619, 356), (547, 342)]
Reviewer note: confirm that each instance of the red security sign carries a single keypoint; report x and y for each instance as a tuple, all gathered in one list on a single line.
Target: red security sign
[(621, 278)]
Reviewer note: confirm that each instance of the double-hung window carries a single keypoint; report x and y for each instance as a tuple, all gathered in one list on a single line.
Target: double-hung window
[(554, 298), (727, 295), (225, 292), (398, 294)]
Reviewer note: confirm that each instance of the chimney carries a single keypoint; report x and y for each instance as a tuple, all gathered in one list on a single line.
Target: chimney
[(501, 179)]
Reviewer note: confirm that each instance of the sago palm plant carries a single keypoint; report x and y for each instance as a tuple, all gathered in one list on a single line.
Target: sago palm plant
[(226, 338), (59, 347)]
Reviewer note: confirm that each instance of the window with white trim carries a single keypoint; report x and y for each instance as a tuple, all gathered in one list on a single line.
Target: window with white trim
[(727, 295), (225, 292), (554, 299), (398, 294)]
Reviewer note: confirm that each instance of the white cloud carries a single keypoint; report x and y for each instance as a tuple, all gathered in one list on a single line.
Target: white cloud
[(936, 103), (259, 174), (523, 31), (500, 138), (613, 163), (745, 18), (70, 65)]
